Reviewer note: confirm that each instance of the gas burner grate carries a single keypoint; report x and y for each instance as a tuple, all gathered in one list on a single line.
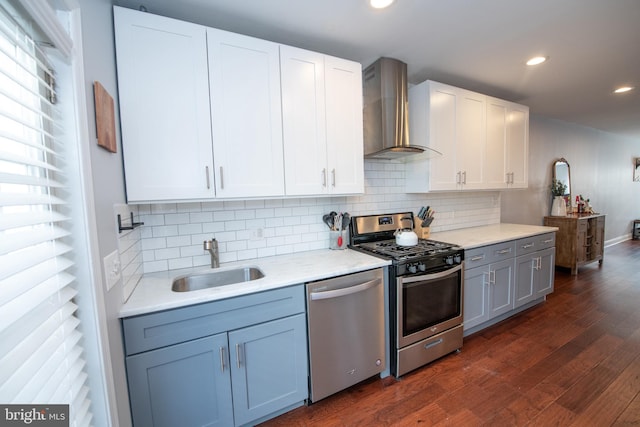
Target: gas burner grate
[(424, 248)]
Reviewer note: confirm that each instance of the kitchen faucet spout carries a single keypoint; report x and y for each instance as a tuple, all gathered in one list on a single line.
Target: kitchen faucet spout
[(212, 247)]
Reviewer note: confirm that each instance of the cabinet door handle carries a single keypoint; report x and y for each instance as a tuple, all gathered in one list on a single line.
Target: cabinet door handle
[(238, 347), (458, 177), (333, 177), (464, 177), (221, 178), (222, 358), (206, 173), (324, 177), (492, 277)]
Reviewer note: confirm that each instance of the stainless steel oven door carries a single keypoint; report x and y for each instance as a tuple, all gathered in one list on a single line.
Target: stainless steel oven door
[(428, 304)]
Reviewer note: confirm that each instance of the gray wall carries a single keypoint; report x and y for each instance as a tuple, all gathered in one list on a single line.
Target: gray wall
[(602, 167), (108, 180)]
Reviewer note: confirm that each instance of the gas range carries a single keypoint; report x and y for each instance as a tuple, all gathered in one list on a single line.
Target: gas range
[(425, 290), (374, 234)]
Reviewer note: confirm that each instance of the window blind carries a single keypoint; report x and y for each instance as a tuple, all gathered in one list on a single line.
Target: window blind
[(41, 354)]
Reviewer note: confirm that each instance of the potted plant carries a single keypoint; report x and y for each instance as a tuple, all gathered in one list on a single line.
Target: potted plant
[(559, 205)]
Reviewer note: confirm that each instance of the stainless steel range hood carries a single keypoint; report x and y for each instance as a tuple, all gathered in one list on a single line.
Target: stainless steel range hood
[(386, 111)]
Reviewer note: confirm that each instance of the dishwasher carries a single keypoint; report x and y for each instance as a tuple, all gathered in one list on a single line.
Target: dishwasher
[(346, 331)]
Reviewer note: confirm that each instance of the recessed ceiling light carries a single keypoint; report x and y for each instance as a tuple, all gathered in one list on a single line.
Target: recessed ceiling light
[(380, 4), (536, 60), (623, 89)]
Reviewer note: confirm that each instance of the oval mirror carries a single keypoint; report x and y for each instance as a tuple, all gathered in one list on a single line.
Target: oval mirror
[(561, 172)]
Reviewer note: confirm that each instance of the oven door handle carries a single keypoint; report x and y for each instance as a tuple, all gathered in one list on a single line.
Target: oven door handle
[(336, 293), (433, 276)]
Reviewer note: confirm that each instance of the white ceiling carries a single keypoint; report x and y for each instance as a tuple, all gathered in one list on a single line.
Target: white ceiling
[(593, 45)]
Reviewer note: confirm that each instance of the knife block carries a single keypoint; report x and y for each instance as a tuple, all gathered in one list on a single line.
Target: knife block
[(422, 232)]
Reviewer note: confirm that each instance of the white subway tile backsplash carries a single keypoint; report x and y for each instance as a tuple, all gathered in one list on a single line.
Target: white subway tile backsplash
[(246, 229)]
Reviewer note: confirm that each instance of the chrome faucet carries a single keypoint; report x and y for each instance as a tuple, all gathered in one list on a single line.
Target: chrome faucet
[(212, 247)]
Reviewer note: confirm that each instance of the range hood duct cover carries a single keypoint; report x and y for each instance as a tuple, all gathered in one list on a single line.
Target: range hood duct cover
[(386, 111)]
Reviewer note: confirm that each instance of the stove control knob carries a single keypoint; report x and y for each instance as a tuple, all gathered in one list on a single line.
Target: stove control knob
[(422, 267), (448, 260), (413, 268), (457, 258)]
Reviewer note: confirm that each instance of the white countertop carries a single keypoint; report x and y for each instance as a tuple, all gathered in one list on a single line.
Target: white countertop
[(474, 237), (153, 292)]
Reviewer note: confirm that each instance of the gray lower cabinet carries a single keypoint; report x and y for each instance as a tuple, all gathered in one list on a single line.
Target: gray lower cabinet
[(535, 266), (488, 292), (241, 361), (181, 385), (499, 279)]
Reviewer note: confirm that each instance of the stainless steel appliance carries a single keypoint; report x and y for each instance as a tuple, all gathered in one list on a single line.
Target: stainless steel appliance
[(346, 331), (426, 290), (386, 111)]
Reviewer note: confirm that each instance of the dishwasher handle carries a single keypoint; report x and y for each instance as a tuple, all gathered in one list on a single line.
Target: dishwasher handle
[(336, 293)]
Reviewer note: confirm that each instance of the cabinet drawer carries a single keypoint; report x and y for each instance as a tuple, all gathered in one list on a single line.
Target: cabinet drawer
[(149, 331), (488, 254), (535, 243)]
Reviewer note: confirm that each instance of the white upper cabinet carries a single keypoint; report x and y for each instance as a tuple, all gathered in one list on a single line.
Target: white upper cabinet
[(202, 114), (451, 121), (163, 88), (304, 114), (322, 116), (507, 144), (483, 140), (345, 144), (518, 145), (244, 75)]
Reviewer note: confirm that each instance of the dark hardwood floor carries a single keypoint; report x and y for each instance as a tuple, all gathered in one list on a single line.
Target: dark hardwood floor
[(573, 360)]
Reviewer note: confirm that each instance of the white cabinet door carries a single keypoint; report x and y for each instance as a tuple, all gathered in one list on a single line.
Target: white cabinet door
[(432, 123), (517, 144), (442, 137), (322, 123), (451, 121), (345, 146), (304, 121), (496, 149), (470, 139), (163, 88), (246, 117), (507, 144)]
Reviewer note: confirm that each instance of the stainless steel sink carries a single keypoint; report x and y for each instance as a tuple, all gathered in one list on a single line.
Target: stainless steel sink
[(194, 282)]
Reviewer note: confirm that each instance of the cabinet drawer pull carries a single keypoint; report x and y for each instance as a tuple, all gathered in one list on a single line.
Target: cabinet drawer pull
[(504, 251), (477, 258), (548, 241), (527, 246), (222, 358), (206, 173)]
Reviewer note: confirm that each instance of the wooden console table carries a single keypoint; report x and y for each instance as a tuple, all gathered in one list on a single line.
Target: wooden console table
[(579, 239)]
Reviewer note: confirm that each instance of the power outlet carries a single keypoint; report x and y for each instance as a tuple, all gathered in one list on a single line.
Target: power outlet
[(112, 271)]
